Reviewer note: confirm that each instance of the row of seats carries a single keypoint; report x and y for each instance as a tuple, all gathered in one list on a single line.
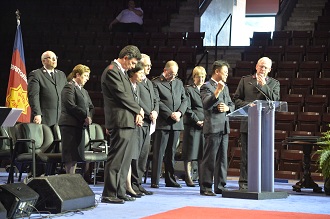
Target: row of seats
[(297, 53), (287, 69), (291, 37)]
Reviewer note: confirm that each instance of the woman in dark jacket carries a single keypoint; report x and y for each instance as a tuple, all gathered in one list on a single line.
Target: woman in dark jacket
[(193, 139), (75, 117)]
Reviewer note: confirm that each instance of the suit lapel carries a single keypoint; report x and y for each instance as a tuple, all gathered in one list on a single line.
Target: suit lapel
[(46, 74)]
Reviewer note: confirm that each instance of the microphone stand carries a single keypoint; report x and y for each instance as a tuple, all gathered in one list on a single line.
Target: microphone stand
[(270, 102)]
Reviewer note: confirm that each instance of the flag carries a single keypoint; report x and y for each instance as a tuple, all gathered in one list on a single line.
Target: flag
[(17, 84)]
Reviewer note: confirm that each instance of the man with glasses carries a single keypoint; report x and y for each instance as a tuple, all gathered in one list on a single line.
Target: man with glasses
[(149, 101), (254, 87), (44, 90)]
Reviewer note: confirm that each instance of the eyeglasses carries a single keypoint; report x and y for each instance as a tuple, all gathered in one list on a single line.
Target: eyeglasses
[(52, 58), (265, 67), (149, 66)]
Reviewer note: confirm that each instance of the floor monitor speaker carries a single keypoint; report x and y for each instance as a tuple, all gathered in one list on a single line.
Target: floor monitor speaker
[(18, 199), (60, 193)]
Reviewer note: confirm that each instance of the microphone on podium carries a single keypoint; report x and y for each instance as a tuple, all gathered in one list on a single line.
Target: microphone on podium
[(270, 103)]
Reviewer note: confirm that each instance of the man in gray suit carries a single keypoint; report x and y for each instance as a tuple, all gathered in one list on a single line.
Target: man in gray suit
[(122, 115), (149, 101), (250, 88), (172, 106), (217, 104), (44, 91)]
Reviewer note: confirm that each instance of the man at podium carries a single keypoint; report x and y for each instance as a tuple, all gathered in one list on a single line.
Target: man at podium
[(258, 86)]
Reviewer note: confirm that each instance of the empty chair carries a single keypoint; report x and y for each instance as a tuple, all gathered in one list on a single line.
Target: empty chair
[(301, 86), (151, 25), (122, 38), (158, 39), (157, 68), (309, 121), (176, 38), (187, 54), (281, 37), (321, 37), (260, 38), (294, 53), (232, 83), (244, 68), (323, 23), (287, 69), (309, 69), (301, 37), (321, 86), (316, 53), (316, 103), (325, 70), (166, 53), (252, 53), (275, 53), (285, 121), (196, 39), (325, 122), (140, 39), (151, 51), (285, 85), (295, 102)]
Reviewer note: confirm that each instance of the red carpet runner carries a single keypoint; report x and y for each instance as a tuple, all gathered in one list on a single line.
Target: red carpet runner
[(226, 213)]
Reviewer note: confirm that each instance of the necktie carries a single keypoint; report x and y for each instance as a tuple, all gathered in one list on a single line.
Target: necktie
[(52, 75)]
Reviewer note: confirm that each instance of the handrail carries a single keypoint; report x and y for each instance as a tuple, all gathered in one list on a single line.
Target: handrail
[(216, 37), (205, 53)]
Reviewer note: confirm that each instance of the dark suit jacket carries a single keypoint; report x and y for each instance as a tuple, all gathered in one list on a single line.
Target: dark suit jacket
[(247, 93), (195, 110), (215, 121), (172, 98), (45, 95), (149, 101), (76, 106), (120, 107)]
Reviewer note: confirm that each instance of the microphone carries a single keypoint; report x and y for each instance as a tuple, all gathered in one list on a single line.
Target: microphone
[(263, 93), (270, 103)]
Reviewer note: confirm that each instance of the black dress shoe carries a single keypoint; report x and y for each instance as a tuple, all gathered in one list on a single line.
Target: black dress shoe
[(113, 200), (127, 198), (208, 193), (135, 195), (176, 185), (146, 192), (190, 184), (219, 191), (156, 186)]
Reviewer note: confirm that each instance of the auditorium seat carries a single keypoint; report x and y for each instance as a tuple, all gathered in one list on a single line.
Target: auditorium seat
[(188, 54), (244, 68), (158, 39), (176, 39), (301, 86), (325, 69), (285, 85), (316, 53), (287, 69), (285, 121), (309, 121), (295, 102), (301, 37), (321, 86), (321, 37), (196, 39), (252, 53), (260, 39), (325, 122), (275, 53), (309, 69), (316, 103), (166, 53), (294, 53), (140, 39), (281, 37)]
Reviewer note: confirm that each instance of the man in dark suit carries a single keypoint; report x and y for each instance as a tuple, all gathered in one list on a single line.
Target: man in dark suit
[(216, 104), (149, 101), (44, 90), (254, 87), (122, 114), (172, 106)]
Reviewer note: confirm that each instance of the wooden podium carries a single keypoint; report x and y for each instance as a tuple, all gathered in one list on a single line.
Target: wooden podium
[(260, 116)]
